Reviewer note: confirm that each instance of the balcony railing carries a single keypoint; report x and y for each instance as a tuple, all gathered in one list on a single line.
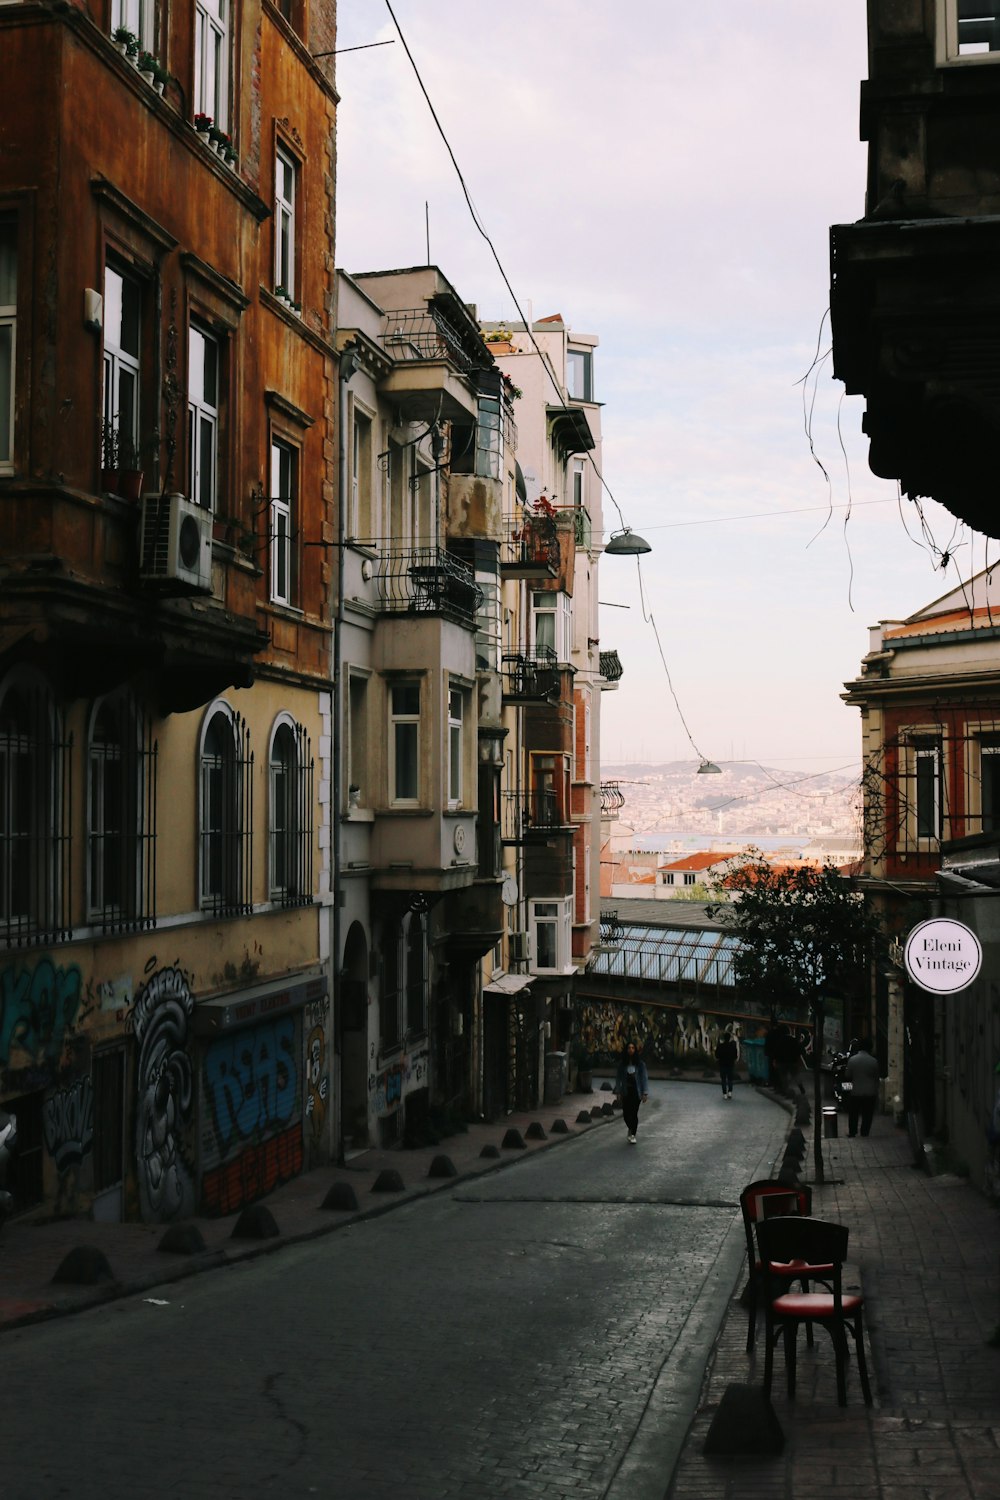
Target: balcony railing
[(612, 799), (531, 815), (611, 667), (530, 677), (530, 548), (427, 581), (419, 333)]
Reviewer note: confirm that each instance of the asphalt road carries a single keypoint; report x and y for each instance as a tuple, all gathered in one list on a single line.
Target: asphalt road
[(541, 1332)]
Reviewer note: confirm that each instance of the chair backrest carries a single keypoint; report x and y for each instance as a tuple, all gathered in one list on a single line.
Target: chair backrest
[(753, 1196), (816, 1242)]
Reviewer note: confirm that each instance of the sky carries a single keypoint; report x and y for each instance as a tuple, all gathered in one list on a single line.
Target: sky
[(664, 176)]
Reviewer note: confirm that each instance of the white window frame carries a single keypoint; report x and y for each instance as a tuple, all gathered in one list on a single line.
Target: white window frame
[(8, 332), (400, 720), (580, 483), (948, 54), (557, 915), (362, 437), (582, 360), (285, 268), (456, 744), (282, 528), (211, 61), (554, 603), (121, 364), (203, 420)]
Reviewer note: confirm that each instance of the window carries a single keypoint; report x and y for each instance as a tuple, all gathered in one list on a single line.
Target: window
[(203, 416), (122, 324), (121, 820), (550, 923), (285, 185), (927, 788), (290, 835), (404, 742), (284, 473), (549, 790), (361, 476), (357, 739), (226, 814), (580, 374), (8, 341), (989, 761), (689, 879), (971, 29), (579, 483), (456, 711), (551, 623), (488, 439), (35, 845), (136, 16), (211, 62)]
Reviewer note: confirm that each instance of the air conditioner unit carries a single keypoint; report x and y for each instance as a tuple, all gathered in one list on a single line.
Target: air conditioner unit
[(517, 947), (175, 543)]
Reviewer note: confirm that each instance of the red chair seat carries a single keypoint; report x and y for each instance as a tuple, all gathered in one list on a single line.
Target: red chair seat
[(814, 1306)]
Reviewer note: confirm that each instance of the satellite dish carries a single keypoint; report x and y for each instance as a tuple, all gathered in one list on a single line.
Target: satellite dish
[(508, 891)]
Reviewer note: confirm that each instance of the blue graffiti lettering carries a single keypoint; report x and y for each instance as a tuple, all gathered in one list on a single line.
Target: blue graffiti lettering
[(36, 1008), (252, 1080)]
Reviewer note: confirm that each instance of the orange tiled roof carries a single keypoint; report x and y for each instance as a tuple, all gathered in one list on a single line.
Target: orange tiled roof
[(952, 619)]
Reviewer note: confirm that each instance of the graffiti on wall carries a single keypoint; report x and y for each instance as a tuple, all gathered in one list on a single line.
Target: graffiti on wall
[(159, 1020), (68, 1124), (388, 1086), (251, 1081), (667, 1036), (254, 1173), (316, 1083), (38, 1005)]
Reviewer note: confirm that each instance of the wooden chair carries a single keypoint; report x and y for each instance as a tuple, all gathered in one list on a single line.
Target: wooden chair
[(766, 1195), (818, 1250)]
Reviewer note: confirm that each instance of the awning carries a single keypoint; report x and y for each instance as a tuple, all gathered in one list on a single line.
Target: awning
[(570, 428), (508, 984), (229, 1012)]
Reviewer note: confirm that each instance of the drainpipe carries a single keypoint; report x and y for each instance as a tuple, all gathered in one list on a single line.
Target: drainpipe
[(347, 367)]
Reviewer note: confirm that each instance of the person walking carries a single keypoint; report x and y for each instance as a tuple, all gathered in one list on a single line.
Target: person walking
[(726, 1053), (861, 1072), (632, 1088)]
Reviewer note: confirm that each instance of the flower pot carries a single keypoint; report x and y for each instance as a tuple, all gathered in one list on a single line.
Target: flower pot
[(149, 77), (109, 481), (130, 483)]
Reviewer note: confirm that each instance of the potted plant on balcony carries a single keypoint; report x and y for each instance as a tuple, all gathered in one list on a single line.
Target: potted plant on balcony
[(126, 41), (147, 65), (203, 124), (129, 472)]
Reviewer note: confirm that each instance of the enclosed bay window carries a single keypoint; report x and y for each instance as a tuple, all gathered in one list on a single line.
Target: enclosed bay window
[(551, 934), (203, 416), (284, 506), (211, 60), (404, 742), (456, 746), (551, 623), (580, 374), (285, 193), (8, 340)]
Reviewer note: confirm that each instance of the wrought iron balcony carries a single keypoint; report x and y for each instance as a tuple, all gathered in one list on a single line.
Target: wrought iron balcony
[(611, 667), (530, 548), (612, 799), (530, 677), (424, 333), (528, 816), (427, 581)]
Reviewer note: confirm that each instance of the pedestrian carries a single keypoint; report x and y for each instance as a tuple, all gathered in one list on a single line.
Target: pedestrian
[(632, 1088), (726, 1053), (861, 1072)]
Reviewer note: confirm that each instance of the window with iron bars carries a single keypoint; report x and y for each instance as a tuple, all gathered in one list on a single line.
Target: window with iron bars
[(291, 816), (226, 815), (35, 816), (121, 817)]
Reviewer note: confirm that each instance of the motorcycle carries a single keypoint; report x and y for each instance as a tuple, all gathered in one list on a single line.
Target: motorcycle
[(838, 1062), (8, 1146)]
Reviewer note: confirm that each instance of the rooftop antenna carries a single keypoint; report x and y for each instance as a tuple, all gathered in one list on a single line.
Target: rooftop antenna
[(427, 228)]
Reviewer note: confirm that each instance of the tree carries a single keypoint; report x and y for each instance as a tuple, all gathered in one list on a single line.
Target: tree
[(805, 935)]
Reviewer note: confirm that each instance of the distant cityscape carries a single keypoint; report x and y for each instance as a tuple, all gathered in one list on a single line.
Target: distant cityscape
[(670, 809)]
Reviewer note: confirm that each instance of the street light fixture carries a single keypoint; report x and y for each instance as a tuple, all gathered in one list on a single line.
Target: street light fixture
[(627, 543)]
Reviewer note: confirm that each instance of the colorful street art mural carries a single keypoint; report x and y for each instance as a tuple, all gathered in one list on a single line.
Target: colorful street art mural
[(669, 1036), (159, 1020), (387, 1087), (254, 1173), (38, 1005), (68, 1124), (316, 1084)]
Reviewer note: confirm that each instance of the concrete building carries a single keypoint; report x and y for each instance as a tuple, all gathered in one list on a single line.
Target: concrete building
[(166, 373)]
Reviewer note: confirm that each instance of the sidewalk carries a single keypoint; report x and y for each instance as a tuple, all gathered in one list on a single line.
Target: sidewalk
[(926, 1249), (32, 1250)]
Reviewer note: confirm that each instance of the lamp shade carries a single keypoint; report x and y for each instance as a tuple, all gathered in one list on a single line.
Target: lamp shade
[(627, 543), (709, 768)]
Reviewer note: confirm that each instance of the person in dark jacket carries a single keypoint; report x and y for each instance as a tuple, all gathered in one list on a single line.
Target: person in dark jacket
[(726, 1053), (632, 1088), (861, 1072)]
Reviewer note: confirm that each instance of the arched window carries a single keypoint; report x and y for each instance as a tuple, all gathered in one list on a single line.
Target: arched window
[(226, 814), (35, 859), (121, 817), (290, 815)]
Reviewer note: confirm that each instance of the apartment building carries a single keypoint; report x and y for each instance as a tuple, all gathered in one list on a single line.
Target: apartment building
[(929, 696), (166, 491)]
